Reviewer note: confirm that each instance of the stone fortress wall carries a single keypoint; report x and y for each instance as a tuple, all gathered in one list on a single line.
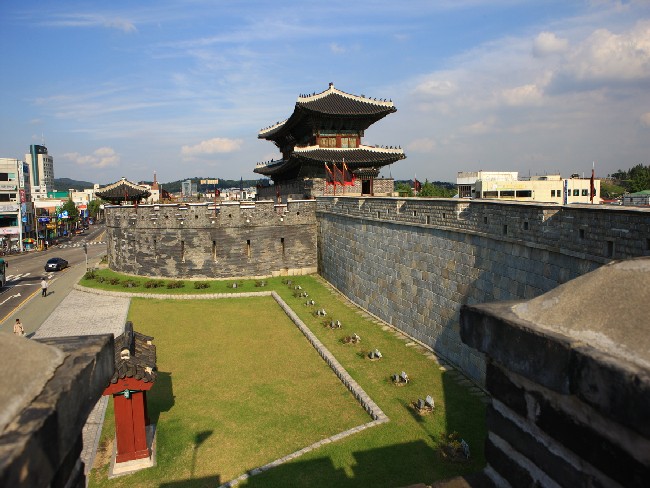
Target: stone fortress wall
[(247, 239), (415, 262), (411, 262)]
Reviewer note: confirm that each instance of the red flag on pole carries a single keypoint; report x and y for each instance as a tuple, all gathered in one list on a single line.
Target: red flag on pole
[(338, 175), (417, 185), (348, 177), (329, 177)]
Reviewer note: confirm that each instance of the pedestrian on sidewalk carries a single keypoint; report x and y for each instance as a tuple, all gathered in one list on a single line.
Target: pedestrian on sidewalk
[(43, 287), (18, 328)]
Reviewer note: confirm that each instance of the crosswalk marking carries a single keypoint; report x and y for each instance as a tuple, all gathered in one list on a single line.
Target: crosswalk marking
[(17, 277), (80, 244)]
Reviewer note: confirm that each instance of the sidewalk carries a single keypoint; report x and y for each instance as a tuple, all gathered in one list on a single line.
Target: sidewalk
[(82, 313)]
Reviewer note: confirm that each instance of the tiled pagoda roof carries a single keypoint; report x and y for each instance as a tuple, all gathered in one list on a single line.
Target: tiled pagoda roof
[(331, 103), (141, 361), (122, 191), (355, 158)]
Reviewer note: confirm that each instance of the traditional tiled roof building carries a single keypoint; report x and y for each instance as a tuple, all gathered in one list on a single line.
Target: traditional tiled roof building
[(321, 148), (123, 191)]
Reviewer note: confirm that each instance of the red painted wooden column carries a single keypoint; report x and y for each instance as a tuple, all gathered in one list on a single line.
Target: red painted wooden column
[(131, 418)]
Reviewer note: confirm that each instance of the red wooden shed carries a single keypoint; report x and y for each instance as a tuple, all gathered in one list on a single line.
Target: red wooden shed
[(135, 373)]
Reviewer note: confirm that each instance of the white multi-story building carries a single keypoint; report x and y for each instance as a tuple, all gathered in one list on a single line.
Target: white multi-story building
[(41, 166), (16, 210), (508, 186)]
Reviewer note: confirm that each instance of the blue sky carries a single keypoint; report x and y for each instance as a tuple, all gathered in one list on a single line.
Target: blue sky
[(123, 89)]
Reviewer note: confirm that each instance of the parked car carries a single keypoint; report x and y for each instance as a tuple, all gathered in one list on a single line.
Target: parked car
[(56, 264)]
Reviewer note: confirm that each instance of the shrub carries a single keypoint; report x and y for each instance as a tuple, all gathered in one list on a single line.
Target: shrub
[(201, 285), (100, 279), (260, 283), (175, 284), (90, 275), (130, 284), (154, 284), (114, 281)]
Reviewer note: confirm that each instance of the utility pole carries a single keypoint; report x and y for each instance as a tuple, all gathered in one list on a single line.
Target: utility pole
[(86, 252)]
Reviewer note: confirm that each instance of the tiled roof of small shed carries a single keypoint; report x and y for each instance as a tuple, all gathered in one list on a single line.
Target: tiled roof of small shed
[(123, 190), (141, 364)]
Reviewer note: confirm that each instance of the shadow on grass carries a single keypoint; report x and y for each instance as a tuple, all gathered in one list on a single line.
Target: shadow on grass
[(381, 467), (210, 481), (161, 397)]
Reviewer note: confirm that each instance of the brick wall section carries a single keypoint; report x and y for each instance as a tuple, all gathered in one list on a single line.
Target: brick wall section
[(197, 241), (415, 262)]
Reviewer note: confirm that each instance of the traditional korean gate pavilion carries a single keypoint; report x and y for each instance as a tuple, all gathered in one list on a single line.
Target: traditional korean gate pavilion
[(321, 148), (135, 373)]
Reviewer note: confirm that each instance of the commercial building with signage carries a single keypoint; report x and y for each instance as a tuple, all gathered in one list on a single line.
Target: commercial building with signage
[(16, 211)]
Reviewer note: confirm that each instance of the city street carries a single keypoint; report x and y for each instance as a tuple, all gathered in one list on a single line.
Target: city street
[(21, 297)]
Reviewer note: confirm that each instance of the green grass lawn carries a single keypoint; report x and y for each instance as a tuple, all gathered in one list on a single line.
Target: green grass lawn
[(240, 386)]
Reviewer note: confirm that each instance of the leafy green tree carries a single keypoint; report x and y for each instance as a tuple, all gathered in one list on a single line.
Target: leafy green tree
[(404, 189), (610, 190), (93, 208), (73, 213), (431, 190), (639, 178)]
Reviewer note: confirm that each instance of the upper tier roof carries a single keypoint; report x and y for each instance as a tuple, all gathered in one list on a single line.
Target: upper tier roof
[(331, 103)]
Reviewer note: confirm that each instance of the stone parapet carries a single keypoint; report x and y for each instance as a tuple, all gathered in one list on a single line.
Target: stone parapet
[(569, 376), (414, 262), (42, 445)]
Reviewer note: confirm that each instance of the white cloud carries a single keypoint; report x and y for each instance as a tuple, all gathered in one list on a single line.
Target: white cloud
[(645, 119), (212, 146), (435, 87), (100, 158), (605, 56), (423, 145), (525, 95), (91, 20), (336, 48), (547, 43)]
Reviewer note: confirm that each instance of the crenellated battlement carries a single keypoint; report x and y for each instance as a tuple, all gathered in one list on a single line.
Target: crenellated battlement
[(213, 241)]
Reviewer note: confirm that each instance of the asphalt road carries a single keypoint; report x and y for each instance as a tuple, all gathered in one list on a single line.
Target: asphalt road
[(21, 297)]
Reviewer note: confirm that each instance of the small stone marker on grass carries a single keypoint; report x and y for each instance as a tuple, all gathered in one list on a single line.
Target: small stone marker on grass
[(335, 324), (310, 303), (353, 339), (400, 379), (321, 312), (425, 406), (375, 355)]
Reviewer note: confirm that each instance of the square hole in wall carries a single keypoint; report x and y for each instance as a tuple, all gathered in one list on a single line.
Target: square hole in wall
[(505, 229), (485, 221), (581, 232), (610, 249), (526, 225)]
